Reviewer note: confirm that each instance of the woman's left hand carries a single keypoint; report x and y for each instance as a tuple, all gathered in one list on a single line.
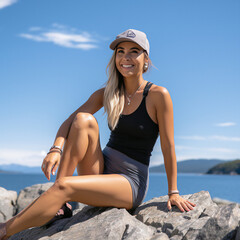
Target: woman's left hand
[(182, 204)]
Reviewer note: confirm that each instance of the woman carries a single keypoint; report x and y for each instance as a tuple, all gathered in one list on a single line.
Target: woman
[(117, 176)]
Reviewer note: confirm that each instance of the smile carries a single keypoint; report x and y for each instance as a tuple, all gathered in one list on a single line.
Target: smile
[(127, 66)]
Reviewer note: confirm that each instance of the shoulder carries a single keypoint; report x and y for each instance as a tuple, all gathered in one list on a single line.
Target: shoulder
[(97, 96), (160, 96), (98, 93)]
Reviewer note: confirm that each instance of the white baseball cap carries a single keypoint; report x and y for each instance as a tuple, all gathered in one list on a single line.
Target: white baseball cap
[(132, 35)]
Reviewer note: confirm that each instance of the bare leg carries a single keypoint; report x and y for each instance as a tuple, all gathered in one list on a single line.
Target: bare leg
[(82, 150), (96, 190)]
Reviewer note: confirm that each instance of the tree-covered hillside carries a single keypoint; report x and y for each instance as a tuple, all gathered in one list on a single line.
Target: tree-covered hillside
[(232, 167), (190, 166)]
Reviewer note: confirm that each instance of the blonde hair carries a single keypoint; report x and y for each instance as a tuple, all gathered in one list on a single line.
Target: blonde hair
[(113, 100)]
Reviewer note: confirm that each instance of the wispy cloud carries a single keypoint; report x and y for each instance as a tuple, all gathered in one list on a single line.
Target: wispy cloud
[(226, 124), (63, 36), (207, 156), (221, 150), (206, 149), (224, 138), (32, 29), (215, 137), (23, 157), (192, 137), (179, 147), (6, 3)]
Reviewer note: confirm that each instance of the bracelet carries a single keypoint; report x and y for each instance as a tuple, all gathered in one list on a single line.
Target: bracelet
[(173, 192), (54, 151), (56, 147)]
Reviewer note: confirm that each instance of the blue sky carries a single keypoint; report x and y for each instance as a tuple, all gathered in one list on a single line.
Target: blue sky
[(53, 55)]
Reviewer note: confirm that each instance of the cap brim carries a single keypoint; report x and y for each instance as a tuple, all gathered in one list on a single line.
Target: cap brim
[(119, 40)]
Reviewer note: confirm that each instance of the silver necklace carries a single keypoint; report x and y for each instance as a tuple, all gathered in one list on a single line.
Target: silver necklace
[(131, 95)]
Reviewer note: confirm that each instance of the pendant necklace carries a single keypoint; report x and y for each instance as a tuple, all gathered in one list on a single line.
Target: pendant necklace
[(131, 95)]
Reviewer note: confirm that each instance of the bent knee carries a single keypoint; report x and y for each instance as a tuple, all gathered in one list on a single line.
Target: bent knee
[(61, 189), (61, 184), (84, 120)]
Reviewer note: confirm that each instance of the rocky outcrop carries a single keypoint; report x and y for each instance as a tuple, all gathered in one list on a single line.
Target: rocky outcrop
[(93, 223), (151, 220), (220, 201), (206, 221), (7, 204)]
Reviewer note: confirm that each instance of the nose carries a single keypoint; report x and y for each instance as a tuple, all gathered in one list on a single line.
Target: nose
[(127, 56)]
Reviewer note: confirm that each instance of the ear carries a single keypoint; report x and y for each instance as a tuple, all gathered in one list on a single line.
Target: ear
[(146, 58), (146, 61)]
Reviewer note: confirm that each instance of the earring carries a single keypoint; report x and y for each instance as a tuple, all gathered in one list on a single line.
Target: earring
[(145, 66)]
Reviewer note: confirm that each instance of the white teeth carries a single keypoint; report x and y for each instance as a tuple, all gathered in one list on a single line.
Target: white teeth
[(127, 66)]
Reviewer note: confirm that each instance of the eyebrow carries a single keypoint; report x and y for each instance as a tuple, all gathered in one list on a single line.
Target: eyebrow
[(130, 48)]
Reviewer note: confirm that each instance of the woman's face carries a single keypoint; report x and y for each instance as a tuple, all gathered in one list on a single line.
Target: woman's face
[(130, 59)]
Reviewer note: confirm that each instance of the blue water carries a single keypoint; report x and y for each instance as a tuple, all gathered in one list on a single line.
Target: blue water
[(221, 186)]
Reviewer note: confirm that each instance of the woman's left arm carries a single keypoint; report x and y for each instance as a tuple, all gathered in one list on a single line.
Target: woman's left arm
[(164, 109)]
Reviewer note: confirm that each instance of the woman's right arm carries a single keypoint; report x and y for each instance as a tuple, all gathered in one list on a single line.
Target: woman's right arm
[(92, 105)]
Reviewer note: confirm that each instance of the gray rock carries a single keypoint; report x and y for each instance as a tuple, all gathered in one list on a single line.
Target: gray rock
[(220, 201), (209, 211), (29, 194), (206, 221), (238, 232), (160, 236), (176, 237), (77, 207), (175, 222), (92, 223), (7, 204), (152, 220), (222, 226)]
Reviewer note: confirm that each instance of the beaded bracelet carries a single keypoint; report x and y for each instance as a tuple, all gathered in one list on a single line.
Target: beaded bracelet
[(54, 151), (56, 147), (173, 192)]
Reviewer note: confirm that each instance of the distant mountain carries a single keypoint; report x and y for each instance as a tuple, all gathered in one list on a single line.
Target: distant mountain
[(19, 168), (2, 171), (16, 168), (190, 166), (232, 167), (186, 166)]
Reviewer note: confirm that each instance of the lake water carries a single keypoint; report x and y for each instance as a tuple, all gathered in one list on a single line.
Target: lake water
[(221, 186)]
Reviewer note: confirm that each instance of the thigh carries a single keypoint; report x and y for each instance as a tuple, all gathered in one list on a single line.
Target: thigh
[(92, 161), (135, 172), (103, 190)]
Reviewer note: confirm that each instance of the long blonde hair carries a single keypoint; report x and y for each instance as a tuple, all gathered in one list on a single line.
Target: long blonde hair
[(113, 100)]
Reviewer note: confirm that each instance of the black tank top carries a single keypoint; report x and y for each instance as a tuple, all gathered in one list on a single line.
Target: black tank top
[(135, 133)]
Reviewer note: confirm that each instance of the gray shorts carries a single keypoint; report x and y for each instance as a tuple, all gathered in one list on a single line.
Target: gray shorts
[(135, 172)]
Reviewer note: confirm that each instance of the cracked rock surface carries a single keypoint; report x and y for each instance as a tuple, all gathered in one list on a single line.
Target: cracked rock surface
[(151, 220), (206, 221), (7, 204)]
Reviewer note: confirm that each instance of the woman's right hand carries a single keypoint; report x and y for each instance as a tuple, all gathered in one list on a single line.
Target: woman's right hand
[(50, 163)]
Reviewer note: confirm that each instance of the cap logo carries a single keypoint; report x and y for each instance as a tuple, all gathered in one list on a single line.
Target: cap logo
[(131, 34)]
